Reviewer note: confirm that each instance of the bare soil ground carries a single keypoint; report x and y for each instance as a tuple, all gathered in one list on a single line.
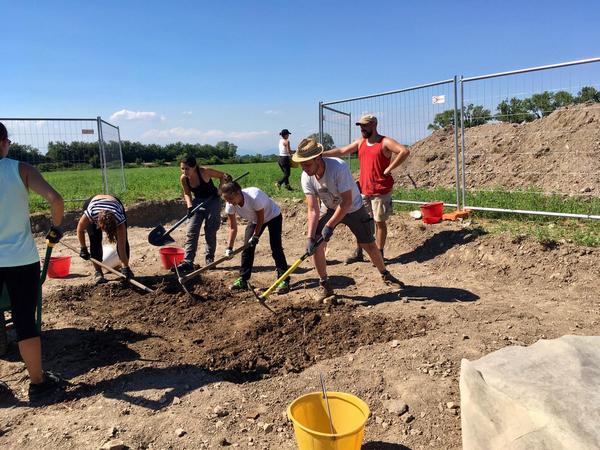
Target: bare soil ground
[(168, 371)]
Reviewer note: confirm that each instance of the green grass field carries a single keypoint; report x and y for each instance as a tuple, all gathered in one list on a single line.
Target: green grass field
[(162, 183)]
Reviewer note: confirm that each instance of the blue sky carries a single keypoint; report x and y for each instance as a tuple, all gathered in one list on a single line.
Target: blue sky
[(199, 71)]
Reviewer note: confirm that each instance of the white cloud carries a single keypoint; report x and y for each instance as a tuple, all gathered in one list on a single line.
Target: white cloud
[(195, 134), (125, 114), (272, 112), (187, 113)]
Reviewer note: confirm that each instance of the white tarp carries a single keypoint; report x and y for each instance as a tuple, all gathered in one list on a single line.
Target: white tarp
[(546, 396)]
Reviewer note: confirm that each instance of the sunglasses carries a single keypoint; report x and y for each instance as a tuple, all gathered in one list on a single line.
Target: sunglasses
[(8, 140)]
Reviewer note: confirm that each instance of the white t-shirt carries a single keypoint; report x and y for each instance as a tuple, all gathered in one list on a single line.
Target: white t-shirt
[(282, 150), (336, 179), (254, 200)]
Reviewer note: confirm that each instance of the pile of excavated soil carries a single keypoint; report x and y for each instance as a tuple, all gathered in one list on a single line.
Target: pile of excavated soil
[(557, 153), (224, 332)]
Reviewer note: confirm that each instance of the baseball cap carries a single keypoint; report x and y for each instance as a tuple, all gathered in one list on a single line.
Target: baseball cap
[(367, 118)]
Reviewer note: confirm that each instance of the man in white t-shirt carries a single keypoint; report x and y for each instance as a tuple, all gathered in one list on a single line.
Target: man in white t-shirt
[(330, 181), (261, 212)]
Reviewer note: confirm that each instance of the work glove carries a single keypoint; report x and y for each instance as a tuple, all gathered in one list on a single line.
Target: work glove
[(54, 235), (229, 252), (127, 272), (311, 246), (83, 252), (190, 212), (327, 233), (253, 241)]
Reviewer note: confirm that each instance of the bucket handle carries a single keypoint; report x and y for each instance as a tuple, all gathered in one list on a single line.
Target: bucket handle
[(326, 403)]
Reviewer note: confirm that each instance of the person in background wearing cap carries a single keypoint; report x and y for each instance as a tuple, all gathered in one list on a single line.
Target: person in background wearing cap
[(375, 155), (284, 159), (20, 266), (330, 181)]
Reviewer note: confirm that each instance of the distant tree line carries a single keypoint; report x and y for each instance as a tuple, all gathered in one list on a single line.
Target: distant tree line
[(85, 155), (517, 110)]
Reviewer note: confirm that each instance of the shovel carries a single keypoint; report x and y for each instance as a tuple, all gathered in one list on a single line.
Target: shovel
[(159, 236), (195, 273), (110, 269), (262, 297)]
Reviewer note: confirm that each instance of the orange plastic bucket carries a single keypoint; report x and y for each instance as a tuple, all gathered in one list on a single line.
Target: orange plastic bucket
[(59, 266), (432, 212), (171, 256)]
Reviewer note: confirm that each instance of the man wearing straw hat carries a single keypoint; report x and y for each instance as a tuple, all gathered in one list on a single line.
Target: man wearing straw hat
[(375, 153), (330, 181)]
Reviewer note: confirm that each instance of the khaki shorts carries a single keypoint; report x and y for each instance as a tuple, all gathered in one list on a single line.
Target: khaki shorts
[(379, 207)]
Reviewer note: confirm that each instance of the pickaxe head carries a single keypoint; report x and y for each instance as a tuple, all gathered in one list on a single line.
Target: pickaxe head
[(260, 298)]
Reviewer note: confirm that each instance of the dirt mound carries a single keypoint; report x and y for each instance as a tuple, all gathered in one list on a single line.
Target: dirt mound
[(224, 332), (557, 153)]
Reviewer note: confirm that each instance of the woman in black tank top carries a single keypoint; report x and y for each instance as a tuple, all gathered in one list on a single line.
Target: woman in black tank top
[(198, 181)]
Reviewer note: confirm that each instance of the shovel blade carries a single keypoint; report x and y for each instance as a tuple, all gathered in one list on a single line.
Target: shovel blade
[(158, 237)]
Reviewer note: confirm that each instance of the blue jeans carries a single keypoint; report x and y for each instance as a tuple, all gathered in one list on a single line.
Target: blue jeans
[(210, 214)]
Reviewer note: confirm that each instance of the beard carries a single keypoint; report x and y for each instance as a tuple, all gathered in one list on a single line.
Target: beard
[(366, 134)]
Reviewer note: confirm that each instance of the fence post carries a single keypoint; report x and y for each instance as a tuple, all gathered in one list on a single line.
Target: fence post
[(456, 143), (321, 123), (462, 138)]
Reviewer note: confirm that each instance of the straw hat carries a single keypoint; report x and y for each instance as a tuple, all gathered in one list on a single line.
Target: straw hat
[(307, 149)]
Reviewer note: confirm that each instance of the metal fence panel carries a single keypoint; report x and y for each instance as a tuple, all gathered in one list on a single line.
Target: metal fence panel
[(407, 115), (68, 152), (113, 171), (535, 135)]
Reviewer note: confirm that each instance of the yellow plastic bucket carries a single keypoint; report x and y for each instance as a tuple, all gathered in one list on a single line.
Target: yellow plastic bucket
[(309, 415)]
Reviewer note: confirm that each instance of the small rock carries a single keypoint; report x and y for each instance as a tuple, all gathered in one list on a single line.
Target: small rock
[(253, 415), (180, 432), (219, 411), (395, 343), (267, 427), (385, 425), (116, 444), (224, 442), (465, 337), (176, 400), (112, 431), (396, 406), (452, 405), (378, 420)]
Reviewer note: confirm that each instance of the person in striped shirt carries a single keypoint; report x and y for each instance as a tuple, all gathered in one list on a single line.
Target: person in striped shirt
[(104, 213)]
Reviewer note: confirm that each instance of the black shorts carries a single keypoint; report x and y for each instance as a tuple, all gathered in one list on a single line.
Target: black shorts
[(360, 223), (23, 285)]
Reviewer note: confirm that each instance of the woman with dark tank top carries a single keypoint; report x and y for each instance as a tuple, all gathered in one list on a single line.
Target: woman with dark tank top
[(197, 180)]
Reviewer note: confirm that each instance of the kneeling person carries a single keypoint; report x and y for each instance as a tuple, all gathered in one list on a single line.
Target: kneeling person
[(261, 212), (330, 181)]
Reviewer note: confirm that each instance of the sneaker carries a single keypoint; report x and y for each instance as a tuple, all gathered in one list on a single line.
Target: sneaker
[(183, 267), (388, 278), (283, 287), (99, 278), (324, 291), (50, 391), (5, 392), (209, 260), (357, 256), (239, 285)]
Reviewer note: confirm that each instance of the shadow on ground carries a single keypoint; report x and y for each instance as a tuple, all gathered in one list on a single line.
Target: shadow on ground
[(417, 293), (378, 445), (437, 245)]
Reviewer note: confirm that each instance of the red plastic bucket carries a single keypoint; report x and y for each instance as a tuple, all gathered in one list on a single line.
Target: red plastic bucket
[(432, 212), (170, 256), (59, 266)]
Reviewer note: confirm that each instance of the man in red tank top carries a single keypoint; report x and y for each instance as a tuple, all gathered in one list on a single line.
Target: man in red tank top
[(375, 154)]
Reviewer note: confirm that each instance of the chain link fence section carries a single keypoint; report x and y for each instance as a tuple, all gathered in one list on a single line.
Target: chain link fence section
[(532, 133), (406, 115), (68, 152)]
